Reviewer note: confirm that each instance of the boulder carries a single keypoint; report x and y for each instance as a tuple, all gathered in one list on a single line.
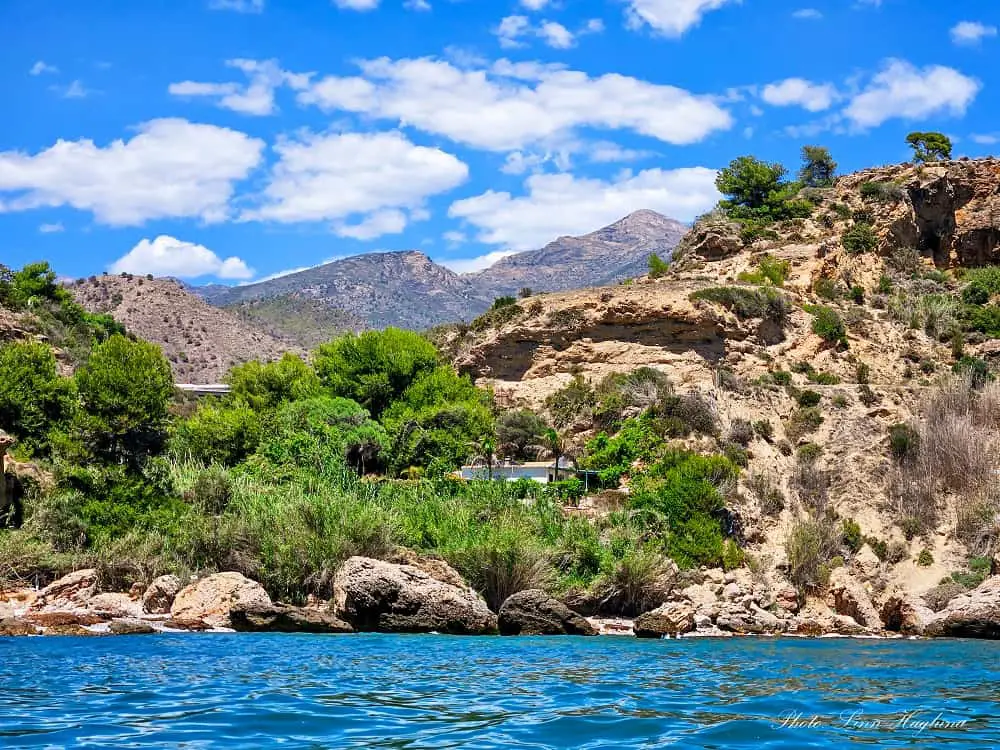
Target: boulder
[(702, 598), (60, 619), (213, 597), (74, 630), (906, 614), (435, 567), (751, 619), (866, 565), (14, 626), (193, 625), (160, 594), (848, 597), (114, 606), (669, 619), (70, 592), (130, 627), (378, 596), (787, 598), (533, 612), (279, 618), (972, 615)]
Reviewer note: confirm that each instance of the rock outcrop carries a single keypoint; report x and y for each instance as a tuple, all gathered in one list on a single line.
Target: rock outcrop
[(70, 592), (212, 598), (378, 596), (534, 612), (112, 606), (972, 615), (130, 627), (160, 594), (848, 597), (13, 626), (279, 618), (667, 620)]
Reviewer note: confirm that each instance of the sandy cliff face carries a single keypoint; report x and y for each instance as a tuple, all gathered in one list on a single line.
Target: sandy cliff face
[(949, 213)]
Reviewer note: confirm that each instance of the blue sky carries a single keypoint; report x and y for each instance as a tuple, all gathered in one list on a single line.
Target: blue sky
[(231, 140)]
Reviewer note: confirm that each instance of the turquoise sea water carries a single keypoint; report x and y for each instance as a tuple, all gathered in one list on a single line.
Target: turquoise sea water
[(385, 691)]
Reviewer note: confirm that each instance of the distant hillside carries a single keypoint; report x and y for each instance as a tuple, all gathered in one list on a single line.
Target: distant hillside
[(410, 290), (304, 321), (201, 341), (616, 252)]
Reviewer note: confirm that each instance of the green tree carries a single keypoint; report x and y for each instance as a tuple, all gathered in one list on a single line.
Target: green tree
[(124, 390), (376, 367), (749, 183), (437, 419), (267, 386), (657, 266), (818, 167), (218, 434), (34, 284), (555, 444), (928, 147), (34, 399), (519, 434)]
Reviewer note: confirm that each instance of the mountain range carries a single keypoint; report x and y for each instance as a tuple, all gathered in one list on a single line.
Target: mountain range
[(408, 289)]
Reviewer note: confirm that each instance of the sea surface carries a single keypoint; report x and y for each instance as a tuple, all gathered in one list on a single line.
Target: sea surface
[(390, 691)]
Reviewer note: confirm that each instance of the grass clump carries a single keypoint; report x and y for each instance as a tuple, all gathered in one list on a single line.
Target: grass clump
[(769, 270), (748, 303)]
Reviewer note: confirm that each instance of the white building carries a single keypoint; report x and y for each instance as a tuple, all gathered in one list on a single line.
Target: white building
[(542, 472)]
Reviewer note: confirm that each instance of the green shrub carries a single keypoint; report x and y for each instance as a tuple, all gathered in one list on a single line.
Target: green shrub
[(764, 430), (822, 378), (732, 556), (879, 546), (853, 538), (224, 435), (857, 294), (808, 398), (882, 192), (938, 597), (781, 377), (211, 491), (810, 545), (657, 266), (809, 452), (826, 288), (747, 303), (265, 386), (34, 399), (975, 369), (802, 422), (860, 238), (925, 558), (575, 400), (828, 325), (770, 270), (904, 442)]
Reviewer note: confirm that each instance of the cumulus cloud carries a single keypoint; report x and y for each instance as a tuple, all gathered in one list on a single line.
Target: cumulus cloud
[(41, 67), (560, 204), (901, 90), (361, 5), (508, 106), (168, 256), (239, 6), (171, 168), (814, 97), (670, 17), (256, 97), (971, 33), (534, 4), (478, 263), (333, 177), (512, 31)]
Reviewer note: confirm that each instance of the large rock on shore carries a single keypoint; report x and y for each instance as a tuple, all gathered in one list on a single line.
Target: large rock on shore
[(906, 613), (533, 612), (669, 619), (14, 626), (213, 597), (848, 597), (280, 618), (972, 615), (68, 593), (378, 596), (130, 627), (114, 606), (160, 594)]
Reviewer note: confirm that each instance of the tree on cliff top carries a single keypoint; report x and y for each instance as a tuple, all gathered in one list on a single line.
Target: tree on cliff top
[(929, 147), (818, 167)]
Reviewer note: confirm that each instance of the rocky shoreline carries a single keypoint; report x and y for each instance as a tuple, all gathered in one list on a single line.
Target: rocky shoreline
[(426, 595)]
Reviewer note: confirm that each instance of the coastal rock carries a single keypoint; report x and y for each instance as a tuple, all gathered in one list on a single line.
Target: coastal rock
[(866, 565), (786, 598), (378, 596), (533, 612), (752, 619), (73, 630), (14, 626), (279, 618), (972, 615), (130, 627), (435, 567), (702, 598), (69, 592), (193, 625), (667, 620), (59, 619), (114, 606), (160, 594), (906, 614), (848, 597), (213, 597)]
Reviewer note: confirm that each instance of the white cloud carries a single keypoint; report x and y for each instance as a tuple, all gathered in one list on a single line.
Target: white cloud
[(171, 168), (388, 221), (670, 17), (75, 90), (168, 256), (814, 97), (417, 5), (41, 67), (560, 204), (512, 31), (362, 5), (254, 98), (604, 152), (52, 228), (971, 33), (807, 14), (239, 6), (985, 139), (333, 177), (556, 35), (455, 238), (512, 105), (901, 90), (534, 4), (471, 265)]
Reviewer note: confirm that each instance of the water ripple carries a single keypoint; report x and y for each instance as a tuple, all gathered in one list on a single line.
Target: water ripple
[(379, 691)]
